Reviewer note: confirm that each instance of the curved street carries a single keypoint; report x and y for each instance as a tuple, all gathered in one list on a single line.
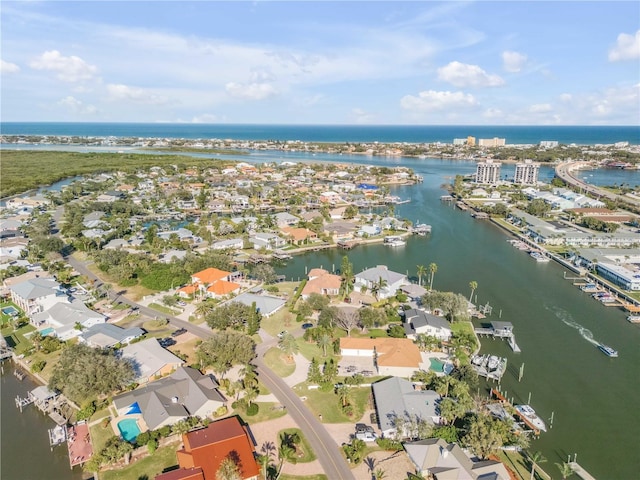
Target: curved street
[(323, 445)]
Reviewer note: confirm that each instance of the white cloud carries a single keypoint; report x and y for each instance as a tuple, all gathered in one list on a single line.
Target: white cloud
[(432, 101), (513, 61), (363, 117), (205, 118), (493, 113), (251, 91), (119, 92), (70, 69), (8, 67), (626, 48), (76, 106), (540, 108), (465, 75), (566, 97)]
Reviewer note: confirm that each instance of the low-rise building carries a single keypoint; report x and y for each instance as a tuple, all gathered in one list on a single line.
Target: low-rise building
[(419, 322), (107, 335), (150, 360)]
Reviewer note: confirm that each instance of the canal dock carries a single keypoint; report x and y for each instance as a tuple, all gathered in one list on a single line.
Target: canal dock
[(580, 471), (498, 329), (496, 393)]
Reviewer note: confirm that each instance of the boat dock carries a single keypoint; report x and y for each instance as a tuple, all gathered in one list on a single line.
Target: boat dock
[(46, 401), (500, 330), (347, 244), (496, 393), (489, 366), (581, 472)]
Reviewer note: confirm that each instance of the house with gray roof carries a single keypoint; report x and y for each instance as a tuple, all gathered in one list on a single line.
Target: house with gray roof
[(284, 219), (37, 294), (371, 276), (107, 335), (150, 360), (397, 398), (437, 459), (265, 304), (185, 393), (419, 322), (65, 317), (231, 243)]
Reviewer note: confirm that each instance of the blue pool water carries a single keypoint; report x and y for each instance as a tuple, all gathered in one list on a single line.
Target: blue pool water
[(46, 331), (10, 310), (129, 429)]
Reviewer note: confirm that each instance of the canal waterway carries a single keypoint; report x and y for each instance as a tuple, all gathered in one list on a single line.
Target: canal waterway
[(593, 398), (25, 444)]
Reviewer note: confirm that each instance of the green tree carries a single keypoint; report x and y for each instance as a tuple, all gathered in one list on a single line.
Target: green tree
[(314, 375), (421, 271), (289, 345), (378, 286), (229, 469), (324, 341), (483, 437), (566, 470), (317, 302), (344, 395), (433, 268), (346, 272), (225, 349), (472, 285), (536, 458)]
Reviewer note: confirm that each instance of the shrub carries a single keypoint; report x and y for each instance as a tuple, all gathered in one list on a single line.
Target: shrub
[(152, 445), (252, 409), (86, 411), (222, 410), (143, 438), (389, 444), (38, 366), (164, 431)]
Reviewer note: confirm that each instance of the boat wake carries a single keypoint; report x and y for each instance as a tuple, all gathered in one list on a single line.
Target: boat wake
[(566, 318)]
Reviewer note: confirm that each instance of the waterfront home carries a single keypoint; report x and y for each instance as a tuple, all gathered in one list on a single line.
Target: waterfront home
[(341, 230), (150, 360), (369, 230), (107, 335), (229, 244), (184, 393), (37, 294), (413, 291), (268, 241), (419, 322), (285, 219), (392, 356), (396, 398), (321, 282), (183, 234), (222, 288), (299, 235), (67, 319), (205, 449), (372, 276), (437, 459)]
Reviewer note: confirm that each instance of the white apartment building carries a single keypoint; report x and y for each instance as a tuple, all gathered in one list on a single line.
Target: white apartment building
[(488, 172), (526, 173)]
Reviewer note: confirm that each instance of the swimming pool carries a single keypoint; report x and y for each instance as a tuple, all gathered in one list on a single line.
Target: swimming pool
[(10, 310), (129, 429), (439, 366), (46, 331)]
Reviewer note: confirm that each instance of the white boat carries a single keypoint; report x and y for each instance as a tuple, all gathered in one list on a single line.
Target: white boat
[(394, 241), (608, 351), (493, 362), (633, 318), (539, 257), (531, 416)]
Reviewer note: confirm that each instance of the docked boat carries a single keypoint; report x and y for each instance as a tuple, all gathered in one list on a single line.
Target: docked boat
[(539, 257), (493, 363), (633, 318), (608, 351), (422, 229), (394, 241), (531, 416)]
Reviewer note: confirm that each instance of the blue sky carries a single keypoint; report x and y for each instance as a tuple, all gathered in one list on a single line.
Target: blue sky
[(358, 62)]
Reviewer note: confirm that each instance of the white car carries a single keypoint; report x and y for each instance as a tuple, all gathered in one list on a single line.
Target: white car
[(366, 436)]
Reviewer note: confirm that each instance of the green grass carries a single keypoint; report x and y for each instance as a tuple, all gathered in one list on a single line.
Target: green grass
[(275, 360), (311, 350), (319, 476), (283, 319), (267, 412), (328, 405), (163, 309), (100, 435), (306, 455), (147, 467), (373, 333), (17, 339)]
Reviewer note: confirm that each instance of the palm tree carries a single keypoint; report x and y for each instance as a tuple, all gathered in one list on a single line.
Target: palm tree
[(204, 309), (324, 341), (433, 268), (378, 286), (344, 394), (473, 285), (228, 470), (289, 345), (566, 470), (535, 458), (421, 271)]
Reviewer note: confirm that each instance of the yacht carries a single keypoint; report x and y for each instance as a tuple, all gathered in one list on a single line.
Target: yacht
[(493, 362), (608, 351), (394, 241), (539, 257), (531, 416), (633, 318)]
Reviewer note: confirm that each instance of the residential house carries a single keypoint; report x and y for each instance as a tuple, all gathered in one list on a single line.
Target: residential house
[(437, 459), (419, 322), (397, 398), (229, 244), (268, 241), (285, 219), (205, 449), (67, 318), (392, 356), (392, 281), (266, 305), (369, 230), (150, 360), (299, 235), (13, 247), (107, 335), (37, 294), (183, 234), (212, 282), (185, 393), (321, 282), (341, 230)]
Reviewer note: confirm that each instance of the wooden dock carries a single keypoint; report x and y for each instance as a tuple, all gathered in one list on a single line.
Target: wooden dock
[(524, 419), (581, 472)]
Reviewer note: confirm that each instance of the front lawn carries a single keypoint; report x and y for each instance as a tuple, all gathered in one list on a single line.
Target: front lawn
[(327, 404), (147, 467), (304, 452), (276, 361), (267, 411), (17, 339), (283, 319), (100, 435)]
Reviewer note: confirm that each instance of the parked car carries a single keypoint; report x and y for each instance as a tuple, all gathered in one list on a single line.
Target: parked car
[(363, 428), (166, 342), (307, 325), (366, 436), (181, 303), (179, 332)]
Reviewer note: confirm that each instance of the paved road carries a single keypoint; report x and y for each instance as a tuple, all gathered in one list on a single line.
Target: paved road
[(323, 445)]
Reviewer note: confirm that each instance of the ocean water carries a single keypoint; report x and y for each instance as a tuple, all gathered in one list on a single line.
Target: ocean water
[(580, 135)]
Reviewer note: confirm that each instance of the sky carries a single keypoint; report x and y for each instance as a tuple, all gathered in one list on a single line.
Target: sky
[(304, 62)]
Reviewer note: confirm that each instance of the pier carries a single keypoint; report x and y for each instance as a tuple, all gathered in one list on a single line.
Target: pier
[(581, 472), (496, 393), (500, 330)]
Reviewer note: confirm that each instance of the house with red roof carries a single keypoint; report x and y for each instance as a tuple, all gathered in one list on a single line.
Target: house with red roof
[(205, 449)]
